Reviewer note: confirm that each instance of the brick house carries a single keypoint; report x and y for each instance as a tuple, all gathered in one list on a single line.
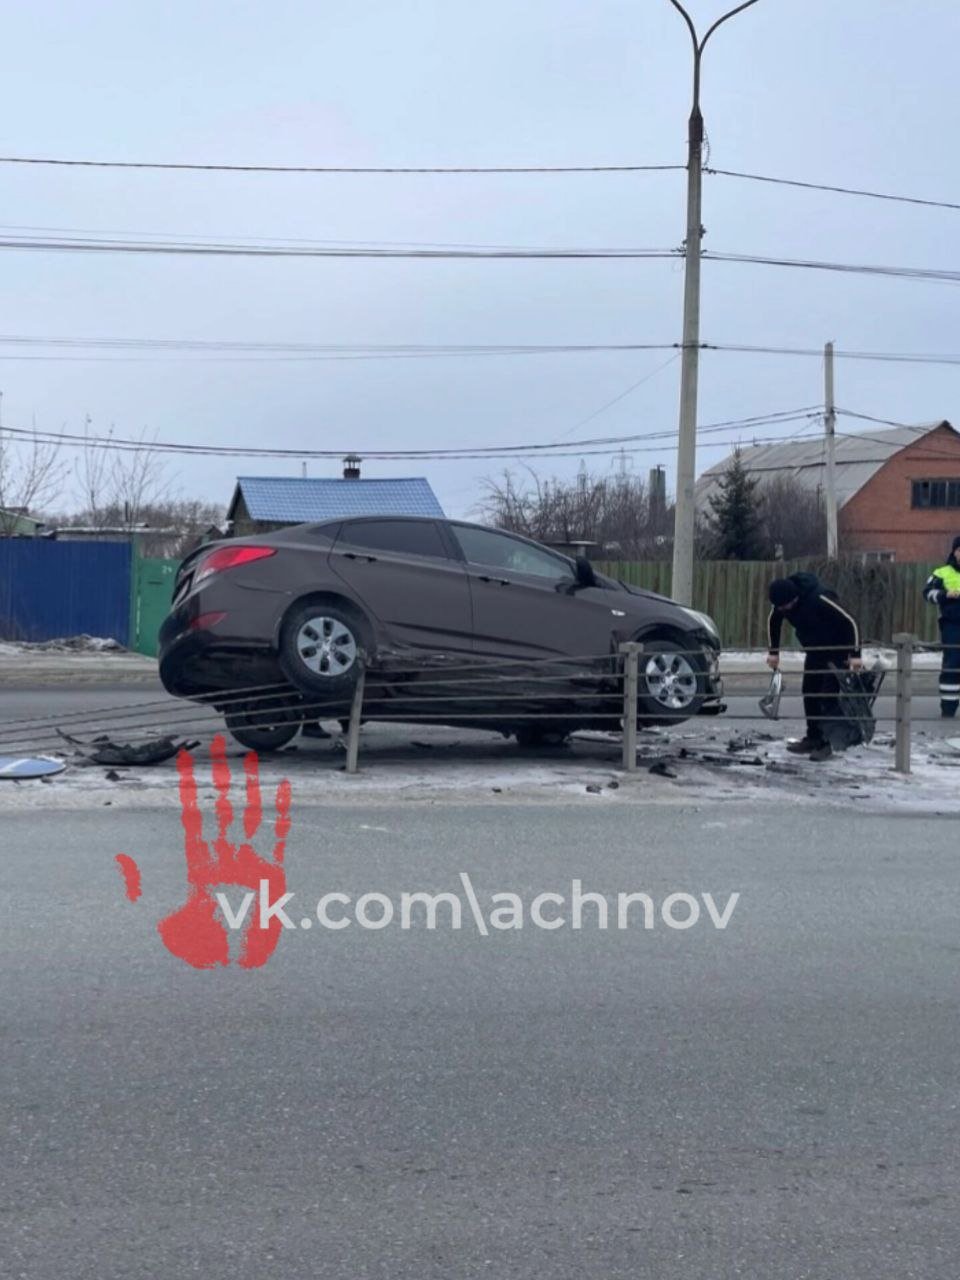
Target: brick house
[(898, 491)]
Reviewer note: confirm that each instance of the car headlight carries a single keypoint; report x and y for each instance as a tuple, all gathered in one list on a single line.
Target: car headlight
[(704, 620)]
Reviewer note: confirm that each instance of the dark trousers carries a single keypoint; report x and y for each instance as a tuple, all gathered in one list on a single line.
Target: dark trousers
[(819, 692), (950, 670)]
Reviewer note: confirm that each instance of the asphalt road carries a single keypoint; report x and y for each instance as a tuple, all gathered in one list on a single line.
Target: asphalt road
[(778, 1099)]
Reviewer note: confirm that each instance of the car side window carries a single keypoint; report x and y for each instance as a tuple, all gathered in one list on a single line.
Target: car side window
[(500, 551), (402, 537)]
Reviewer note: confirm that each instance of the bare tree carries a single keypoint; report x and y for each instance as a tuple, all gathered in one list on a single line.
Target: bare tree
[(794, 519), (92, 470), (613, 511), (138, 480), (31, 475)]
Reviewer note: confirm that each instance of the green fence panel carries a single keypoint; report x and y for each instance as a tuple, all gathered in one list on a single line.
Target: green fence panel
[(150, 596), (884, 598)]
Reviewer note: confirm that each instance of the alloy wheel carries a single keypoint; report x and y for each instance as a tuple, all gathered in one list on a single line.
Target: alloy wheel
[(326, 646), (671, 680)]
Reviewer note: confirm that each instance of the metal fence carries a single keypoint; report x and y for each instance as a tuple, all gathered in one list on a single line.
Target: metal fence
[(51, 589), (610, 691)]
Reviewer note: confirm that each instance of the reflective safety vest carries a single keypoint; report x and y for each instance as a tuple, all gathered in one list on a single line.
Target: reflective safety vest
[(939, 584), (949, 576)]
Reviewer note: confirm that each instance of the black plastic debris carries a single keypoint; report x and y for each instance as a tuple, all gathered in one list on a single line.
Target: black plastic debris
[(659, 767), (103, 750)]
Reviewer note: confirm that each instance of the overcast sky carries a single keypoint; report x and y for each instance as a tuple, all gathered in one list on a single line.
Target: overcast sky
[(854, 92)]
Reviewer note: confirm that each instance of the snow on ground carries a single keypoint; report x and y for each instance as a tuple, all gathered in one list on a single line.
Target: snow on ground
[(433, 766), (735, 661), (82, 658)]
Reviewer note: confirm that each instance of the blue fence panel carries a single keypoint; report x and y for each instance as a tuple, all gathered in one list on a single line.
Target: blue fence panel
[(52, 589)]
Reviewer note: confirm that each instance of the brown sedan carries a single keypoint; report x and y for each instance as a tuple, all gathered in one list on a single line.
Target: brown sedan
[(454, 623)]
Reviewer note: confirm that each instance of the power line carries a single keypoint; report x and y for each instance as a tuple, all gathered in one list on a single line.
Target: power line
[(623, 394), (222, 249), (882, 357), (844, 191), (400, 170), (343, 169), (598, 446), (156, 350), (229, 348), (225, 250), (850, 268)]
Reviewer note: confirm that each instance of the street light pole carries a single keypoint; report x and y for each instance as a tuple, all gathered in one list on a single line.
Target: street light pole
[(685, 519)]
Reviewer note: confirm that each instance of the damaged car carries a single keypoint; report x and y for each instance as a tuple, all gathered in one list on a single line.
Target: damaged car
[(450, 622)]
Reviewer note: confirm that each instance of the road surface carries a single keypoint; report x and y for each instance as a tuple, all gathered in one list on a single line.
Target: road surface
[(776, 1099)]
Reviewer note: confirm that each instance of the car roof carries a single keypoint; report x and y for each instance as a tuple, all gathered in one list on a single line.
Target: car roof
[(470, 524)]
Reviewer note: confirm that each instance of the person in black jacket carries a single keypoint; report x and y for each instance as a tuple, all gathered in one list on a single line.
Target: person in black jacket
[(943, 590), (831, 638)]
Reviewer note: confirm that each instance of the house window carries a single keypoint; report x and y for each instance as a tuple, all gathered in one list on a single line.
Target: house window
[(936, 494), (879, 557)]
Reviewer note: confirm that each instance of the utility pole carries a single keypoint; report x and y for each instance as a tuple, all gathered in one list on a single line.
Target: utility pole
[(685, 525), (829, 426)]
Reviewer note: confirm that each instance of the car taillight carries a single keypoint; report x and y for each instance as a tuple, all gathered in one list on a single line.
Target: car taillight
[(229, 558), (205, 621)]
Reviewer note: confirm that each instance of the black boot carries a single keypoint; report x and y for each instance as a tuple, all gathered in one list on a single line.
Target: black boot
[(803, 746), (948, 710)]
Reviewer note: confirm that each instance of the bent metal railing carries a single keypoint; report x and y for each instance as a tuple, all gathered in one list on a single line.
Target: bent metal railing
[(605, 689)]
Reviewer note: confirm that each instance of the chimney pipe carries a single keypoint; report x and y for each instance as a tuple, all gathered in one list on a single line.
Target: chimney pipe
[(351, 467)]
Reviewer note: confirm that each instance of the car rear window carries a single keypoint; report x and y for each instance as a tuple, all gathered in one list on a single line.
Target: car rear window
[(402, 537)]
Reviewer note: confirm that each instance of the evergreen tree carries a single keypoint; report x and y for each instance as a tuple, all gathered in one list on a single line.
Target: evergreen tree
[(736, 515)]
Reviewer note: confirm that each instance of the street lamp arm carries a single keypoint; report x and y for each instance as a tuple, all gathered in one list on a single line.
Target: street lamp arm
[(689, 21), (720, 21)]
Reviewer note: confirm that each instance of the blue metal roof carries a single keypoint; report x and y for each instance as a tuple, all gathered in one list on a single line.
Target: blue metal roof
[(296, 499)]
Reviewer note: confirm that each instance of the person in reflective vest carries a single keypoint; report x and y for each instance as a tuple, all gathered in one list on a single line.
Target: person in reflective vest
[(943, 590)]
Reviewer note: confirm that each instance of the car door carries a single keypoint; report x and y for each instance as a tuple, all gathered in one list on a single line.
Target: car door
[(404, 573), (526, 600)]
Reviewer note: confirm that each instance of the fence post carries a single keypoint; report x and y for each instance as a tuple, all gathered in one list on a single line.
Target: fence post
[(631, 651), (356, 711), (904, 642)]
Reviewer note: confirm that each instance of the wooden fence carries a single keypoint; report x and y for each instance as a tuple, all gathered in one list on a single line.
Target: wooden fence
[(884, 598)]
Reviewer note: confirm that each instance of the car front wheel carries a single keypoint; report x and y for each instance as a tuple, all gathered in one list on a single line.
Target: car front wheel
[(672, 681)]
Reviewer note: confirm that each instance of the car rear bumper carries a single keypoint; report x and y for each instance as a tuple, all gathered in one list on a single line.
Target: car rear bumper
[(198, 660)]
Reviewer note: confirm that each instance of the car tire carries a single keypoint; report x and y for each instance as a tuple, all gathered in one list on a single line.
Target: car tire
[(672, 681), (320, 649), (531, 737), (250, 731)]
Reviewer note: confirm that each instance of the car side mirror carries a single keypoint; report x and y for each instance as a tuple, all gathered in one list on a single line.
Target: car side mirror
[(585, 575)]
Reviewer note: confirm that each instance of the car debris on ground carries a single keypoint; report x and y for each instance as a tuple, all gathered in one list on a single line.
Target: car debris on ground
[(103, 750)]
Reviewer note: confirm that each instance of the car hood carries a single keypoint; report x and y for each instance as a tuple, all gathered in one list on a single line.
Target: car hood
[(633, 590)]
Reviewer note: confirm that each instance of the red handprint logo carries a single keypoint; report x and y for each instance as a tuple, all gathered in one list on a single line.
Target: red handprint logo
[(194, 932)]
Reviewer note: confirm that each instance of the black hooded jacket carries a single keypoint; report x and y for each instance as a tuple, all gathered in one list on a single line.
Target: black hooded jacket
[(817, 619), (937, 586)]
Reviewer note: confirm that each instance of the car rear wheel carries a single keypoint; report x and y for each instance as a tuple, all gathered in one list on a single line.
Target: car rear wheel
[(320, 648), (253, 730), (530, 737), (672, 681)]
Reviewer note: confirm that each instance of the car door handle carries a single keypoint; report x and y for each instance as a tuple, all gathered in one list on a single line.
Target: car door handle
[(485, 577), (353, 555)]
